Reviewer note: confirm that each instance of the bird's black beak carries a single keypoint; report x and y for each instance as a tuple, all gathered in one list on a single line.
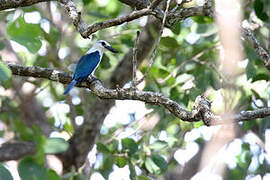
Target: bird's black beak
[(110, 48)]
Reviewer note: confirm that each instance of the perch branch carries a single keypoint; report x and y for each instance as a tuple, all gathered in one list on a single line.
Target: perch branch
[(201, 109)]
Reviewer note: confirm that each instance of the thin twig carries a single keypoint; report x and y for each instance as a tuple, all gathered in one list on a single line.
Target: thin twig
[(117, 21), (134, 59), (142, 9), (157, 43)]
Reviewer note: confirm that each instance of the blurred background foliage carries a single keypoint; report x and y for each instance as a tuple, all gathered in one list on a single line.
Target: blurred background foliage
[(137, 141)]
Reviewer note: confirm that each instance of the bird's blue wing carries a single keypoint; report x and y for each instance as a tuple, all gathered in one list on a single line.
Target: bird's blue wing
[(86, 65)]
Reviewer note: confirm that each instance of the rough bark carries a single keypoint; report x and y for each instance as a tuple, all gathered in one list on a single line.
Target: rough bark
[(16, 150)]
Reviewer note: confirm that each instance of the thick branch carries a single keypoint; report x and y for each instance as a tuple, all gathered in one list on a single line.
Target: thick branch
[(8, 4), (16, 150), (201, 110)]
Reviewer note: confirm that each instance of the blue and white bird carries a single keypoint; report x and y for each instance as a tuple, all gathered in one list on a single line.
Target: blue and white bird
[(89, 62)]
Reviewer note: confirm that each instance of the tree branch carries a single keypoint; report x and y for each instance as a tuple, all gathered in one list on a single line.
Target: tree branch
[(201, 109), (257, 47), (144, 9), (84, 138), (8, 4), (138, 4), (16, 150), (117, 21)]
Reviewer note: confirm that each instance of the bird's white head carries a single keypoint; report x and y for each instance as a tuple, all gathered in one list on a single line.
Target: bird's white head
[(102, 46)]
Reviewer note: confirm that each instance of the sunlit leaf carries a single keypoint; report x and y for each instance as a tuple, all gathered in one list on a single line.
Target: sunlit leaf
[(55, 145), (120, 161), (28, 35), (151, 166), (158, 145), (141, 177), (52, 175)]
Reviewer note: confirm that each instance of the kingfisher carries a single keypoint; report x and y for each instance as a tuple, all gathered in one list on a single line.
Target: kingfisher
[(89, 62)]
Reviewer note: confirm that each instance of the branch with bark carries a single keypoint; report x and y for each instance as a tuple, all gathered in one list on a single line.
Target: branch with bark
[(257, 46), (144, 9), (16, 150), (201, 110), (9, 4)]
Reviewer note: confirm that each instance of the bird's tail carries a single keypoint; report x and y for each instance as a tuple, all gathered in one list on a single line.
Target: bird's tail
[(70, 86)]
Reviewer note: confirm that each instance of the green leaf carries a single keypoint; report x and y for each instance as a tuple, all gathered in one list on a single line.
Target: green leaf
[(141, 177), (113, 146), (202, 19), (215, 81), (260, 10), (130, 145), (198, 124), (120, 161), (151, 166), (260, 76), (1, 45), (5, 72), (204, 29), (158, 145), (169, 42), (132, 174), (30, 170), (102, 148), (4, 173), (53, 36), (55, 145), (52, 175), (26, 34), (250, 70), (160, 162), (85, 2), (176, 29), (107, 165), (40, 141), (105, 63)]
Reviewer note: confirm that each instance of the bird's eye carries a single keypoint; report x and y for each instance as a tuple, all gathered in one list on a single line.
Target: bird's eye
[(103, 43)]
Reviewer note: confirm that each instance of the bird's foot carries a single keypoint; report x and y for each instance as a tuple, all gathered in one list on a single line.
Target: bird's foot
[(93, 78)]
